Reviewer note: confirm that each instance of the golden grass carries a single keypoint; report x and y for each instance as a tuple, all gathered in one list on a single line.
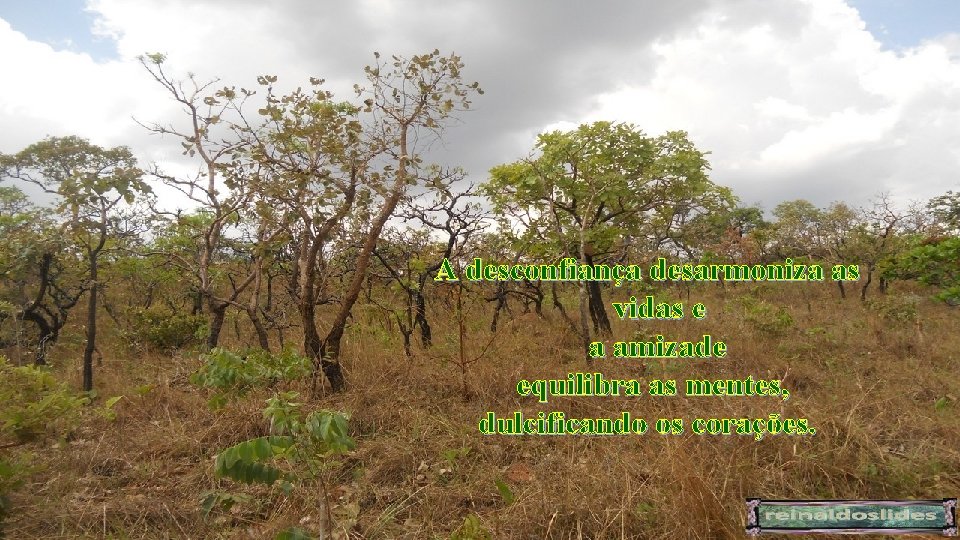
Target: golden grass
[(867, 384)]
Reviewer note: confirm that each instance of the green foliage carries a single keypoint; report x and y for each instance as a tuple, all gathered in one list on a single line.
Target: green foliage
[(471, 529), (946, 210), (223, 501), (942, 403), (602, 182), (34, 403), (107, 411), (297, 452), (505, 493), (246, 462), (165, 331), (14, 471), (294, 533), (765, 317), (895, 308), (231, 373), (935, 263), (454, 454)]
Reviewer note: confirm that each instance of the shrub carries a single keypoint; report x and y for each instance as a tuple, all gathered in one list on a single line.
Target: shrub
[(896, 308), (32, 404), (233, 373), (165, 331), (296, 453), (765, 317)]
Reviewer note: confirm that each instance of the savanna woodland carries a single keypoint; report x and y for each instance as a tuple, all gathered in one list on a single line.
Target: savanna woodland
[(273, 357)]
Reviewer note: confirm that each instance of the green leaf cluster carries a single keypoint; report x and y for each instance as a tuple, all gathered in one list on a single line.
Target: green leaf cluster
[(296, 452), (471, 529), (163, 330), (247, 462), (234, 373), (935, 263), (33, 403)]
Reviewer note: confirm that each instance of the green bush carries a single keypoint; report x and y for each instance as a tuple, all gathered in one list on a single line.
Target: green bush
[(32, 405), (765, 317), (933, 263), (233, 373), (165, 331), (896, 308)]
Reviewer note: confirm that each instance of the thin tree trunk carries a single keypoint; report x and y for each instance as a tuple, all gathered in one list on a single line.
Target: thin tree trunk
[(584, 302), (91, 326), (218, 312), (330, 357), (501, 304), (426, 335), (863, 290)]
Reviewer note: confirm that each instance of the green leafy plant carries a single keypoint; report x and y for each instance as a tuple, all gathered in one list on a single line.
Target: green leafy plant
[(34, 403), (932, 263), (471, 529), (896, 308), (222, 500), (454, 454), (165, 331), (298, 450), (294, 533), (234, 373), (108, 411), (765, 317), (14, 471), (505, 493)]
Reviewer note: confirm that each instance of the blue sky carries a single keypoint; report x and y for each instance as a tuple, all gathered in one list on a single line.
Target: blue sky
[(905, 23), (62, 24)]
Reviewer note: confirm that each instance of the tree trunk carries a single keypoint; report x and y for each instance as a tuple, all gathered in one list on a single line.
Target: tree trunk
[(426, 336), (584, 302), (47, 336), (48, 332), (598, 313), (501, 303), (218, 312), (91, 325), (254, 305), (330, 361), (863, 290), (262, 337)]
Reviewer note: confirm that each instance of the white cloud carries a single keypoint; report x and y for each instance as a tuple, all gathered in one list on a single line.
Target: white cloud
[(792, 113), (792, 98)]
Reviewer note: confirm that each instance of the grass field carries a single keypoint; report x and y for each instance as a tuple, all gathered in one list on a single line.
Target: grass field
[(877, 379)]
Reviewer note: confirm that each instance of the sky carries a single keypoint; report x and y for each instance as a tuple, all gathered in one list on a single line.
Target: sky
[(825, 100)]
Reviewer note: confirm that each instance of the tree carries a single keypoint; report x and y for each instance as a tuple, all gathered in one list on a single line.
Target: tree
[(442, 218), (218, 188), (40, 282), (946, 212), (318, 161), (89, 183), (933, 263), (588, 189)]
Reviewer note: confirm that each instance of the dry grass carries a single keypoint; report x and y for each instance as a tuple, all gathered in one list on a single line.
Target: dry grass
[(867, 384)]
